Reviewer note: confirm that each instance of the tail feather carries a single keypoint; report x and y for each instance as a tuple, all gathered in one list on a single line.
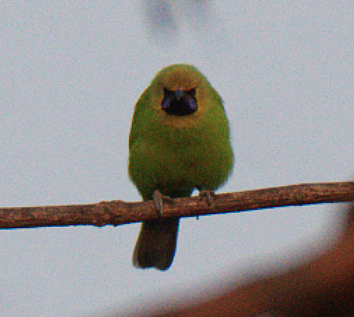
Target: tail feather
[(156, 244)]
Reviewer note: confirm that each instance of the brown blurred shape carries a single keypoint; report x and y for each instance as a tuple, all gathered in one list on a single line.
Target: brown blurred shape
[(321, 287)]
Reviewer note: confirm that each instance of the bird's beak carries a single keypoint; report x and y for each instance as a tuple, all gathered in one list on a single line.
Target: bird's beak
[(178, 94)]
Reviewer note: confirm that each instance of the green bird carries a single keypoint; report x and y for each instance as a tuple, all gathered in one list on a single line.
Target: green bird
[(179, 141)]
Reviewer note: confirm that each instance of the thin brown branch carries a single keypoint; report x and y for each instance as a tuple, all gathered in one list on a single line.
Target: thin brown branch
[(118, 212)]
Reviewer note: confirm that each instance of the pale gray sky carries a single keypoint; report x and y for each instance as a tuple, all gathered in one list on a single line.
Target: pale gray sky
[(71, 73)]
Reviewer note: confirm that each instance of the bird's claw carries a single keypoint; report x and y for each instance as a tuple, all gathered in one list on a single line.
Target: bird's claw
[(158, 199), (209, 195)]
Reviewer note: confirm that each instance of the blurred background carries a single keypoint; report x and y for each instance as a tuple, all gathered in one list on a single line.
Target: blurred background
[(71, 72)]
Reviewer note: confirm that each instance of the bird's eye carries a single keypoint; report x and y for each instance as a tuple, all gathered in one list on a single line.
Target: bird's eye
[(167, 92), (191, 92)]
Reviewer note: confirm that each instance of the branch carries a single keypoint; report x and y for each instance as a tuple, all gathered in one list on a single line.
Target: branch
[(118, 212)]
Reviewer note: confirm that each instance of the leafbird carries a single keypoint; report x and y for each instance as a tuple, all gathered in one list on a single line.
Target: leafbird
[(179, 141)]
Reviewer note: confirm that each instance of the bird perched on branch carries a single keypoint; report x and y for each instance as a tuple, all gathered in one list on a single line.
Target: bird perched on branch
[(179, 141)]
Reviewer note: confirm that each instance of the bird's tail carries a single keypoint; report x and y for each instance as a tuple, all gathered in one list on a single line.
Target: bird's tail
[(156, 244)]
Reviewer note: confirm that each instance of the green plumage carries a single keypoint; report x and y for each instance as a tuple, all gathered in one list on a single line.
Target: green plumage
[(179, 141)]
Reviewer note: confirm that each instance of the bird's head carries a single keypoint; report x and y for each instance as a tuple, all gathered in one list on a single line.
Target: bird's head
[(179, 89)]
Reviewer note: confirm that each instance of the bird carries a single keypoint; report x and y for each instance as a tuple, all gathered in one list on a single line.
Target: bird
[(179, 141)]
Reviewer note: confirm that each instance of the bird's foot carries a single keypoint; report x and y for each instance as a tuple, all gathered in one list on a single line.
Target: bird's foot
[(209, 195), (159, 199)]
